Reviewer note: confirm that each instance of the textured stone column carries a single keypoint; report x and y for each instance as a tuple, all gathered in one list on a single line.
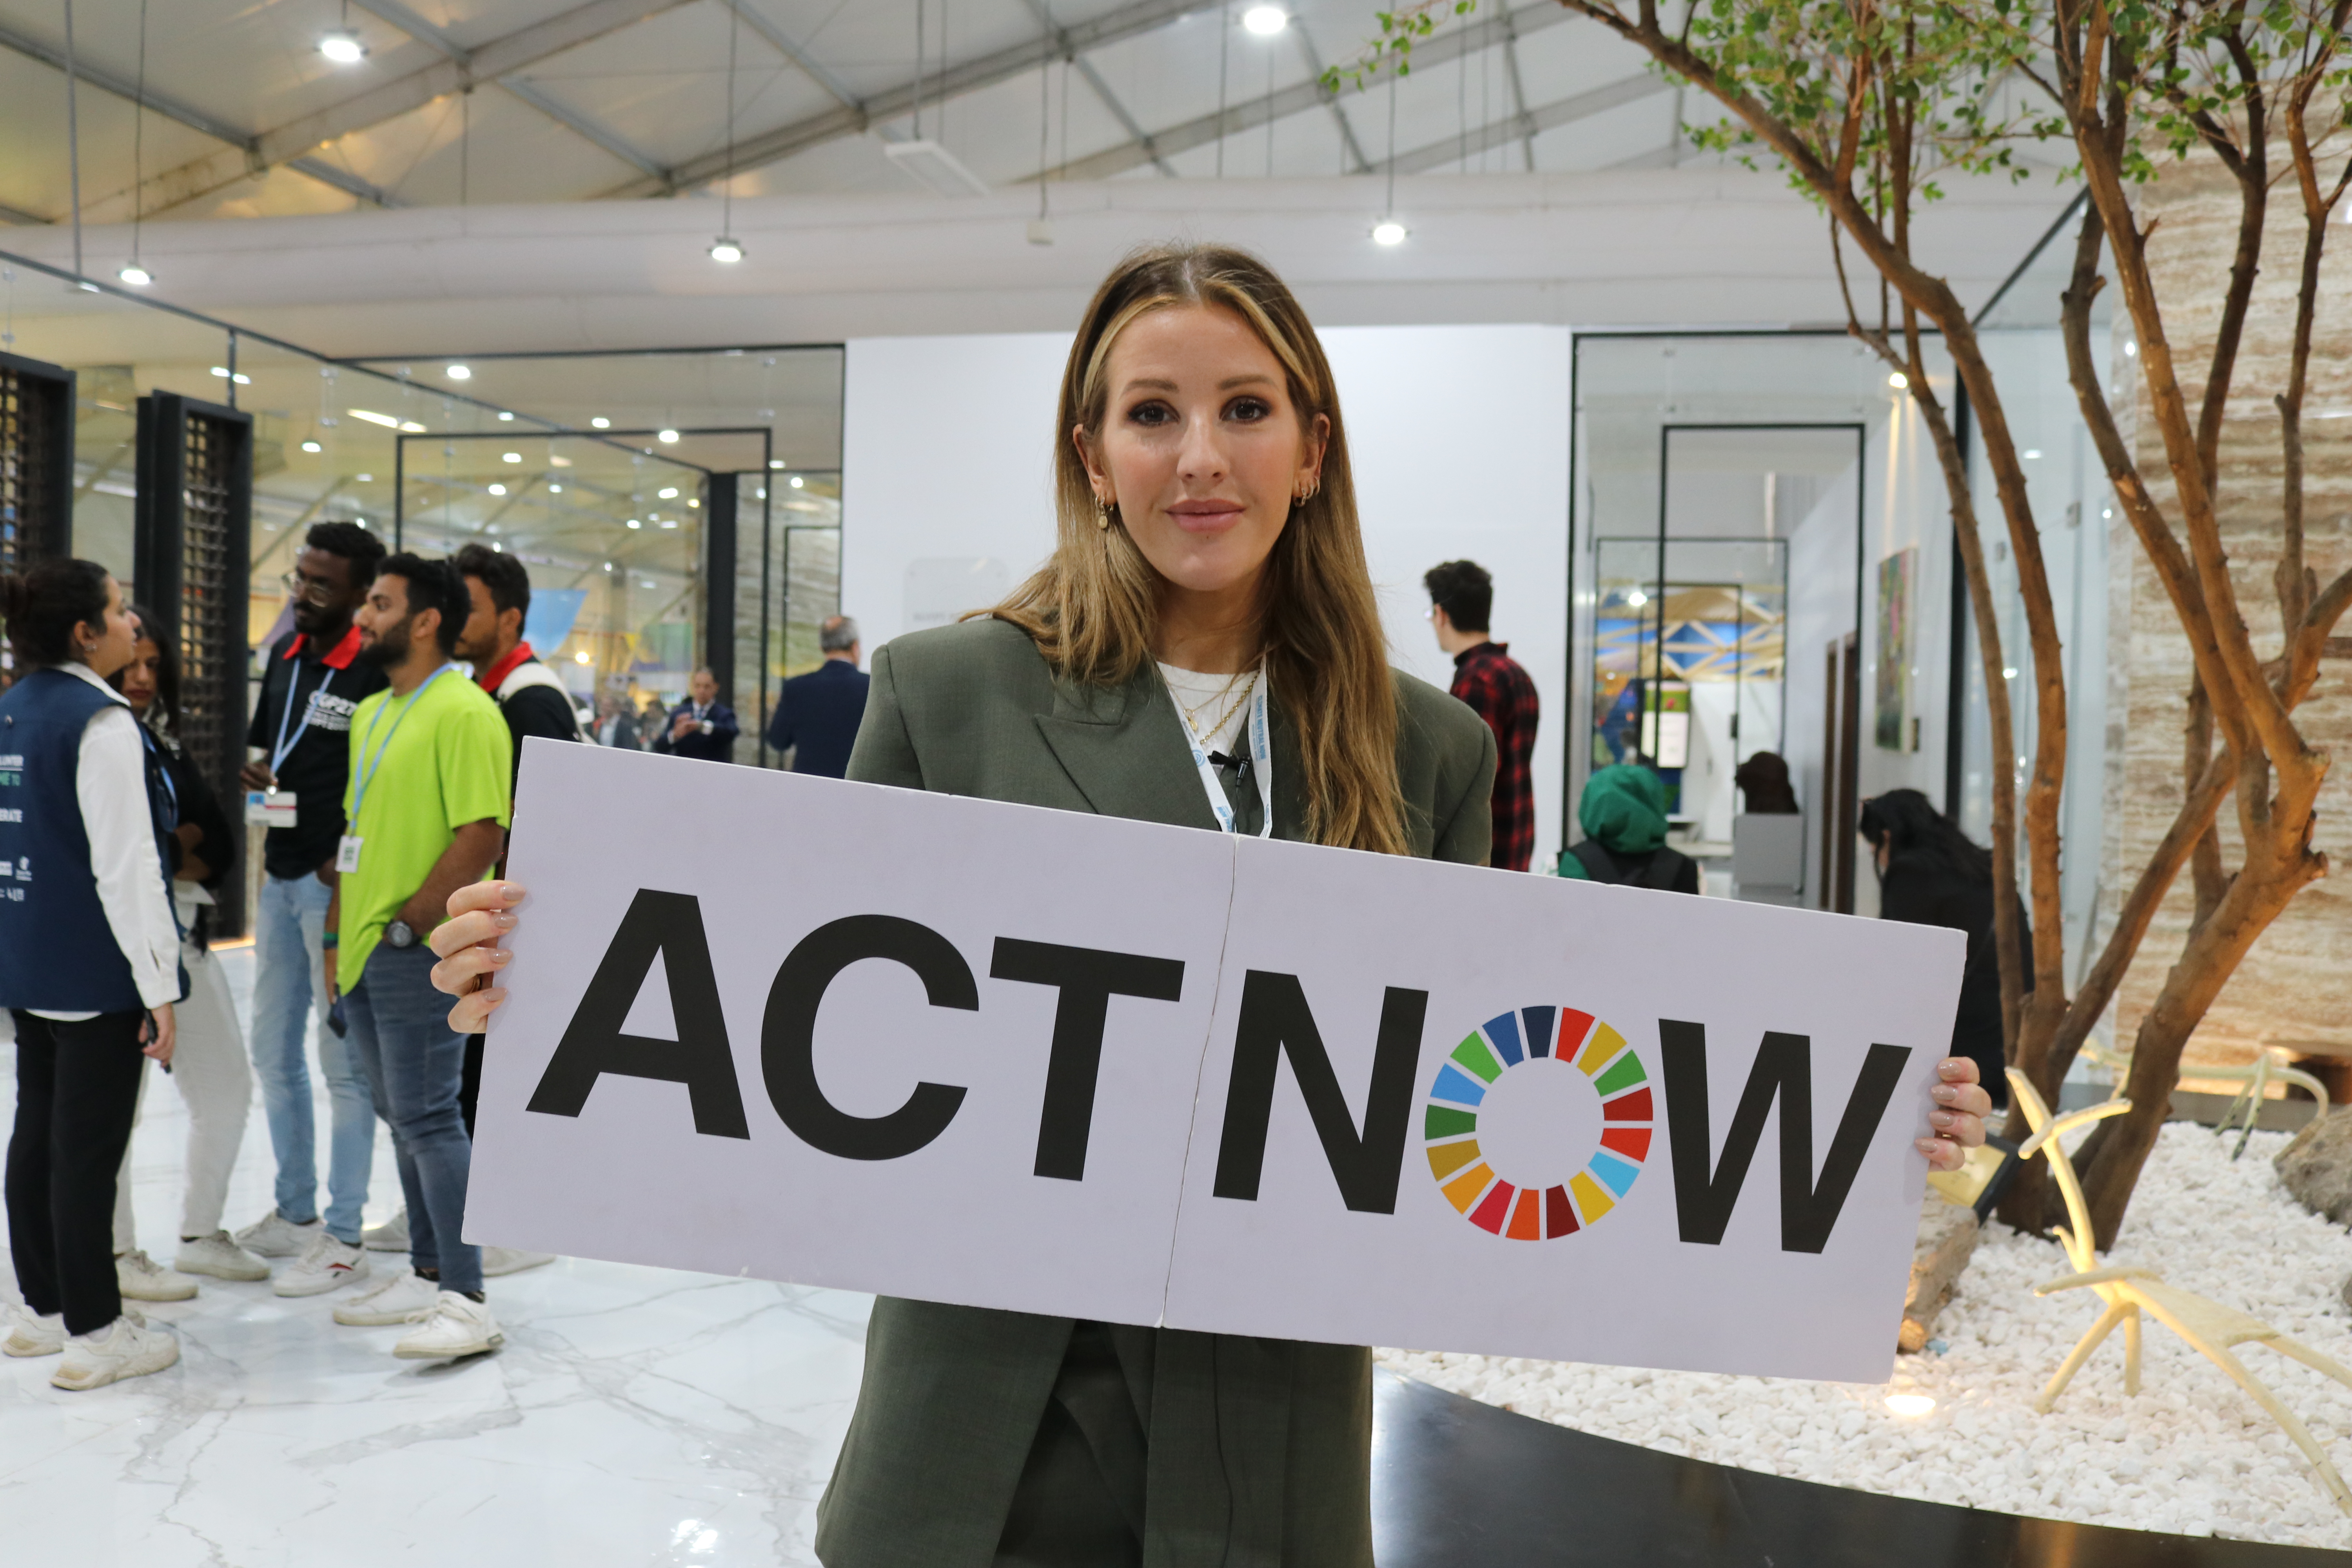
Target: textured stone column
[(2294, 988)]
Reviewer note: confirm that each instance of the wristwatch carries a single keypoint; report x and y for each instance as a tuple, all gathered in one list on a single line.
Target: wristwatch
[(400, 933)]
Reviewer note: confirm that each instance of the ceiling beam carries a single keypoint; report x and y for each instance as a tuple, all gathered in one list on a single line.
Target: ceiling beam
[(393, 14), (793, 51), (387, 100), (854, 119), (1520, 127), (1301, 97), (1519, 87), (1101, 88), (18, 214), (1357, 162), (193, 117)]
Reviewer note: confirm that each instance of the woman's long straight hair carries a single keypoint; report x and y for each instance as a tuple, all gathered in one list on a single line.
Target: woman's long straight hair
[(1092, 606)]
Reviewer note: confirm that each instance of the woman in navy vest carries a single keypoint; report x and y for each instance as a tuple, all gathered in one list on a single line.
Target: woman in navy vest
[(88, 965)]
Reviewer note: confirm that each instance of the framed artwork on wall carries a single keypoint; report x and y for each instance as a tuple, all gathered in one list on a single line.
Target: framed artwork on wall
[(1896, 576)]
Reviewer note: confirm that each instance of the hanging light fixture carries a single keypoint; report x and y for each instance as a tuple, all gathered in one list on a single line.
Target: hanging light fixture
[(132, 272), (1388, 231), (1265, 21), (342, 45), (727, 250)]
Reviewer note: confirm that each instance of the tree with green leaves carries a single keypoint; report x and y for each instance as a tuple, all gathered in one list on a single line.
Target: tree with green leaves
[(1871, 106)]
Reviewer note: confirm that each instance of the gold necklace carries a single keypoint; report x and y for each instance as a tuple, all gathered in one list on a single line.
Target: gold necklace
[(1192, 713)]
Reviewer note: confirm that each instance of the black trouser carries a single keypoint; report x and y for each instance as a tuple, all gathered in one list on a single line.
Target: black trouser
[(470, 1083), (77, 1093)]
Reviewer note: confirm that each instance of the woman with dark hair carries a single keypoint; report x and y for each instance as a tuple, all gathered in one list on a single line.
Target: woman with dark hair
[(1930, 873), (209, 1064), (1207, 619), (88, 965)]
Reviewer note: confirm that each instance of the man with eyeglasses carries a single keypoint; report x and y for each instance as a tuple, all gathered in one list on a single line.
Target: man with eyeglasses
[(312, 682)]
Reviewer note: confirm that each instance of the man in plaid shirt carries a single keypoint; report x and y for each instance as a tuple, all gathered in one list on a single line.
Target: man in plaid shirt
[(1462, 596)]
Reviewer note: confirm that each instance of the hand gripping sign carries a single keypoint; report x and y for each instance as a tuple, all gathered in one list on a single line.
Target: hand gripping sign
[(952, 1049)]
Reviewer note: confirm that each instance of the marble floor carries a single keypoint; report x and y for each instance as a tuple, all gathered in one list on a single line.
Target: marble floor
[(635, 1416)]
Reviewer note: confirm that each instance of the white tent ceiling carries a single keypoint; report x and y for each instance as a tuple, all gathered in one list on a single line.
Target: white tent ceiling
[(466, 101)]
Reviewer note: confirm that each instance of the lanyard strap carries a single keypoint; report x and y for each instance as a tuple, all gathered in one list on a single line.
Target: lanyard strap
[(1261, 761), (367, 768), (163, 772), (284, 748)]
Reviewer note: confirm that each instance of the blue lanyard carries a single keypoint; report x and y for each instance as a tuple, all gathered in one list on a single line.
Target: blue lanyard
[(294, 684), (1261, 764), (164, 772), (367, 768)]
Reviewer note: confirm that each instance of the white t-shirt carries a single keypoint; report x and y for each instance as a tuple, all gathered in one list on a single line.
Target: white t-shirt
[(1222, 701)]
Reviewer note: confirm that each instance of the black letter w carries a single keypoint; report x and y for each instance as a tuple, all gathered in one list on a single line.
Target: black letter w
[(1275, 1019), (669, 924), (1784, 1066)]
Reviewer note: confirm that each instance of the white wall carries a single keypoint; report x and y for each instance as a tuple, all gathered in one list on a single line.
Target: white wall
[(1459, 436)]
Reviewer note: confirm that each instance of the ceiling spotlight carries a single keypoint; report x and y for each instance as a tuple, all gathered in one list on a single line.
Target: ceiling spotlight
[(310, 446), (1388, 231), (498, 490), (601, 423), (669, 436), (459, 373), (726, 250), (223, 372), (342, 46), (510, 456), (365, 479), (797, 481), (138, 277), (668, 492), (634, 523), (1265, 21), (1637, 598), (580, 657), (1898, 381), (776, 462), (505, 416), (555, 489), (2032, 454)]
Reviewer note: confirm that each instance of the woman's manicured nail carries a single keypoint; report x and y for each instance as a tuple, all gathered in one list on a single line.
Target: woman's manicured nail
[(511, 893), (1942, 1117), (503, 922), (499, 955), (1944, 1093)]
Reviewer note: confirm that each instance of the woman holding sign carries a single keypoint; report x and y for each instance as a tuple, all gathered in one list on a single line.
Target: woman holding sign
[(1202, 649)]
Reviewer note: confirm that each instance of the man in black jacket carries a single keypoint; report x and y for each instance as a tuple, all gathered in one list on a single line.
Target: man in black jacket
[(817, 714), (529, 694), (702, 726)]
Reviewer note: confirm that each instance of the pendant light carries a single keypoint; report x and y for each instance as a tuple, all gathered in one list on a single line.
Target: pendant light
[(727, 250)]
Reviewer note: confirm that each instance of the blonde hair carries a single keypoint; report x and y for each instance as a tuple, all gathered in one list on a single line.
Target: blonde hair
[(1092, 606)]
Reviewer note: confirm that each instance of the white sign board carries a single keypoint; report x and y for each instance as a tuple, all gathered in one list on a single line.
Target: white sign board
[(963, 1051)]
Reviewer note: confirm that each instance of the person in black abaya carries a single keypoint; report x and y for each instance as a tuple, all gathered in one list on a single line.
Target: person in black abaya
[(1930, 873)]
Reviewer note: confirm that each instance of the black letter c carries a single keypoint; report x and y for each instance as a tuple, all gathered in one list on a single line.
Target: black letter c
[(788, 1036)]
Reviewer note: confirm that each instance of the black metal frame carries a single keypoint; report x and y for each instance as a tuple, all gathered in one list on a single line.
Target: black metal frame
[(719, 564), (37, 461), (191, 562)]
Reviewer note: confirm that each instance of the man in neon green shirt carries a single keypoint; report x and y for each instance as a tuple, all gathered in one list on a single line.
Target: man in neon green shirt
[(427, 805)]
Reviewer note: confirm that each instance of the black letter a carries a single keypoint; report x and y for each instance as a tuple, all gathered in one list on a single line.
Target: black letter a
[(1784, 1066), (1275, 1019), (669, 924)]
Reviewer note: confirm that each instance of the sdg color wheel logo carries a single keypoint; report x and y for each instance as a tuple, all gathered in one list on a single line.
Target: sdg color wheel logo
[(1544, 1040)]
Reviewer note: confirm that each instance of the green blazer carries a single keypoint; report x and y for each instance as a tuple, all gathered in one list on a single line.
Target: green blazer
[(1256, 1452)]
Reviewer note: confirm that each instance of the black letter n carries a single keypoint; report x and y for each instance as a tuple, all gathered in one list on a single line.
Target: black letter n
[(671, 925), (1784, 1067), (1275, 1021)]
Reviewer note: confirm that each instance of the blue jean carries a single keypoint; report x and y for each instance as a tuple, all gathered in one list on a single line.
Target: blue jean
[(286, 981), (401, 1034)]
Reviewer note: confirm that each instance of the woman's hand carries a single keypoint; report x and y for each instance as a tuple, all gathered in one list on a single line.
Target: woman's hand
[(480, 915), (1961, 1106), (160, 1035)]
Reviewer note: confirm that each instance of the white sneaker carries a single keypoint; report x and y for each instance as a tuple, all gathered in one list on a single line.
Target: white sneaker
[(125, 1348), (328, 1266), (404, 1298), (499, 1260), (274, 1236), (451, 1326), (141, 1279), (219, 1256), (392, 1236), (29, 1333)]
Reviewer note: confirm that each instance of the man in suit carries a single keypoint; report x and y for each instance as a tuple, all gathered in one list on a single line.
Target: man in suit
[(817, 714), (700, 727)]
